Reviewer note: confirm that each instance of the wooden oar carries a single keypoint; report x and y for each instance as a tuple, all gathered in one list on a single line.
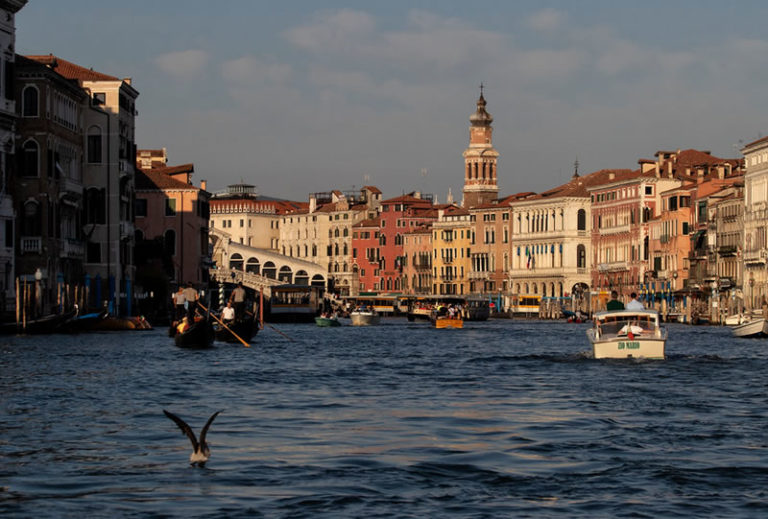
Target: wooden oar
[(278, 331), (224, 325)]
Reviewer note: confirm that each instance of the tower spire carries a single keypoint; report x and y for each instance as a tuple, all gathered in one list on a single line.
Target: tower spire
[(480, 158)]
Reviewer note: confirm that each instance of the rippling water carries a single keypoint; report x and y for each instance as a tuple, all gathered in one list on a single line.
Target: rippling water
[(501, 419)]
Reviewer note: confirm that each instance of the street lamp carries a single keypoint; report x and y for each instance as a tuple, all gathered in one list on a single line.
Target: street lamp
[(751, 290)]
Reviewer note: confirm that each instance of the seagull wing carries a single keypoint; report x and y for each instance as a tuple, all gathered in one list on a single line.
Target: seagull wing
[(186, 429), (205, 429)]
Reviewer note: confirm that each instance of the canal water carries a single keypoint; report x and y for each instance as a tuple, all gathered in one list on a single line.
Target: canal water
[(500, 419)]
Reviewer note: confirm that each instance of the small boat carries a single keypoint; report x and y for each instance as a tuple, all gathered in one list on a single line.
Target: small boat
[(621, 334), (52, 323), (85, 322), (327, 321), (199, 335), (122, 323), (365, 317), (444, 321), (757, 327), (244, 328)]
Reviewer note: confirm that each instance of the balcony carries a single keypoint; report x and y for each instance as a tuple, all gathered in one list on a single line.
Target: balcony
[(616, 266), (614, 230), (72, 249), (479, 274), (31, 244), (126, 229)]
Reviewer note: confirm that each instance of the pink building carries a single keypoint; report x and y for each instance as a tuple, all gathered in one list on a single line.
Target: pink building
[(172, 225)]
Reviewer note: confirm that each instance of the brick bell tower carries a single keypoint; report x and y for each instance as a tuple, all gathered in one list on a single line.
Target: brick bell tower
[(480, 159)]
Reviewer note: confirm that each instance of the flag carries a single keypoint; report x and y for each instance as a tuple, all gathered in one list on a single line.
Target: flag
[(528, 254)]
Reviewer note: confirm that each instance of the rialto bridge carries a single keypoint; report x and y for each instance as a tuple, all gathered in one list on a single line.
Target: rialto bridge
[(261, 268)]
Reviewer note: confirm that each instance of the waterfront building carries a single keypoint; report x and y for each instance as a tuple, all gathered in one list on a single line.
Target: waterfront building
[(452, 239), (480, 159), (171, 235), (322, 233), (670, 237), (490, 257), (241, 215), (397, 217), (8, 117), (366, 254), (417, 267), (622, 208), (755, 254), (551, 243), (48, 188), (108, 178), (725, 231)]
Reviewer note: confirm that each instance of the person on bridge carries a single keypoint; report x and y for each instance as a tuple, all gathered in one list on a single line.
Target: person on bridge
[(237, 297)]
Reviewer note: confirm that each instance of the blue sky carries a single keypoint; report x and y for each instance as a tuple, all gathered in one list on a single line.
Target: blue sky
[(304, 96)]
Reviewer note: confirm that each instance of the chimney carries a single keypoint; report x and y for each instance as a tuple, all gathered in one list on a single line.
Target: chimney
[(611, 175), (646, 165), (203, 185), (669, 169), (699, 175), (721, 171), (312, 204)]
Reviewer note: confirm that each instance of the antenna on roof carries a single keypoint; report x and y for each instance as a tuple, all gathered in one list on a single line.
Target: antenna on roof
[(576, 168)]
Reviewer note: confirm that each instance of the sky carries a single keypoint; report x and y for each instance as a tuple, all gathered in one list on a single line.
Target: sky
[(297, 97)]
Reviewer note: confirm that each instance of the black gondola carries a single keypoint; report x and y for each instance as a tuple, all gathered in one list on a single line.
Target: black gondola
[(49, 324), (199, 335), (244, 328), (85, 322)]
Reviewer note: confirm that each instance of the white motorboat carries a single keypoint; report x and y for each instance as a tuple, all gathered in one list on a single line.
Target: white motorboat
[(621, 334), (364, 317), (756, 327)]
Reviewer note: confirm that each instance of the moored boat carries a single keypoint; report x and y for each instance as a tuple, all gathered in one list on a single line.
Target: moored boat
[(621, 334), (199, 335), (364, 317), (53, 323), (121, 324), (757, 327), (85, 322)]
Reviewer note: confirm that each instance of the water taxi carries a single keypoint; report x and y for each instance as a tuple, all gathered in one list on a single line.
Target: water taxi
[(364, 317), (621, 334)]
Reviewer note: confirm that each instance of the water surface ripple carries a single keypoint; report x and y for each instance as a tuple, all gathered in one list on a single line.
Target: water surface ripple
[(501, 419)]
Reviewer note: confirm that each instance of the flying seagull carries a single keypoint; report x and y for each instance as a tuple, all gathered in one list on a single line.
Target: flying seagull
[(200, 452)]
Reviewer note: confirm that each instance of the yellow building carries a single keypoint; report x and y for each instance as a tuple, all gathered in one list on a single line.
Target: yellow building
[(452, 239)]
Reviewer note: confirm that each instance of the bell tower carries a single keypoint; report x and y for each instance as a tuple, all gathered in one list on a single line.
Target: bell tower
[(480, 159)]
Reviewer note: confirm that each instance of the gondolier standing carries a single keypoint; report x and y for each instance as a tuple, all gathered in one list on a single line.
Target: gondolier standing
[(191, 295), (237, 297), (178, 301)]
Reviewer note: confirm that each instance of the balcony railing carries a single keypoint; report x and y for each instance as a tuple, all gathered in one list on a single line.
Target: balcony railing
[(615, 229), (72, 248), (31, 244), (479, 274), (615, 266)]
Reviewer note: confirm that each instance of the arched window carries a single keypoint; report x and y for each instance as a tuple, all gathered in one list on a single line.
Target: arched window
[(286, 274), (336, 250), (346, 249), (94, 145), (382, 240), (31, 224), (30, 157), (269, 270), (582, 220), (581, 257), (346, 231), (336, 232), (169, 242), (30, 100), (252, 265), (95, 205), (398, 239)]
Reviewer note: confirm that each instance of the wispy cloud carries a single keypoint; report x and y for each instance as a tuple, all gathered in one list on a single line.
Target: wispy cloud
[(183, 64), (547, 20)]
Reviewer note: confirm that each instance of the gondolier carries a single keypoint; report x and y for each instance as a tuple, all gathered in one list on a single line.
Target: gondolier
[(237, 297), (191, 296)]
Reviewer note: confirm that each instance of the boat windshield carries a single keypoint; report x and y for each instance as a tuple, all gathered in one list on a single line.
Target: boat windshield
[(620, 326)]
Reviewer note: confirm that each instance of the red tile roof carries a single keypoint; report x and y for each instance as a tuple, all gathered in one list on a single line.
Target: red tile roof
[(153, 180), (71, 70)]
